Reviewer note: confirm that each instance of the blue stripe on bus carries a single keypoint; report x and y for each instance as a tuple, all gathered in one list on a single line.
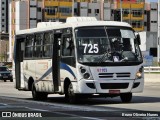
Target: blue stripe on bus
[(62, 66), (46, 73), (65, 67)]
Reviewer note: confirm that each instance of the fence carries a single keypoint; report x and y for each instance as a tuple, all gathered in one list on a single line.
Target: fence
[(152, 69)]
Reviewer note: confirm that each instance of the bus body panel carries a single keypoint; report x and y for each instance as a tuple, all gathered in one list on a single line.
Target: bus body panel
[(67, 71), (42, 77), (103, 84)]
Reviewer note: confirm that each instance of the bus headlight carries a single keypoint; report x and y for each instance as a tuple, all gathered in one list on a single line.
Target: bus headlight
[(86, 75), (85, 72), (139, 74)]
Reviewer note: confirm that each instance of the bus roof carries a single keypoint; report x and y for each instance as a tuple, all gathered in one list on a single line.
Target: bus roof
[(71, 22)]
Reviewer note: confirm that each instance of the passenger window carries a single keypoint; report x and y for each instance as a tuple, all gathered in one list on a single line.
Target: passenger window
[(47, 46), (29, 46), (38, 45), (67, 47)]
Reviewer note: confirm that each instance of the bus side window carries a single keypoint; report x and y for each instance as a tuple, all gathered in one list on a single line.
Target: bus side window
[(29, 46), (67, 47), (47, 44), (38, 45)]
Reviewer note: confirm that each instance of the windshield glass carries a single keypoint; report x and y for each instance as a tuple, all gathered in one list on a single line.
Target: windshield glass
[(3, 69), (106, 44)]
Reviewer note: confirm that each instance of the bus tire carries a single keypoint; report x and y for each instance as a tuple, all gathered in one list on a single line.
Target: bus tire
[(38, 95), (70, 95), (126, 97)]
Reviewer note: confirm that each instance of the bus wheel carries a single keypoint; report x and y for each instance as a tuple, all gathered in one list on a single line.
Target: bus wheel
[(70, 95), (126, 97), (38, 95)]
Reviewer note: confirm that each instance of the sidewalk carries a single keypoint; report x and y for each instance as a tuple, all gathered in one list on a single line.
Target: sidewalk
[(151, 77)]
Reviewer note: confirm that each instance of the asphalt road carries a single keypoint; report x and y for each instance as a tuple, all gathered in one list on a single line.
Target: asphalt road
[(143, 106)]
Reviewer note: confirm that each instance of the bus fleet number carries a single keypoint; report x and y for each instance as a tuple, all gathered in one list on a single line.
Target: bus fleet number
[(93, 48)]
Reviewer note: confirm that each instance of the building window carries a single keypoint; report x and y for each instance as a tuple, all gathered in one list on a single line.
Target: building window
[(33, 6), (125, 12), (75, 11), (33, 18), (89, 10), (65, 10), (2, 2), (51, 10), (137, 13), (39, 9), (2, 20), (96, 11), (13, 21), (154, 9), (2, 8), (137, 24), (153, 21), (39, 20), (2, 14), (13, 9), (2, 25)]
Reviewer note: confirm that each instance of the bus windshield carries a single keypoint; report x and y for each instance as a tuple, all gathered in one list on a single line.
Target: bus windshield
[(106, 44)]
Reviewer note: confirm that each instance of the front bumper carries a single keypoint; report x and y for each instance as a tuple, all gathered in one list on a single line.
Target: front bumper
[(105, 86), (6, 78)]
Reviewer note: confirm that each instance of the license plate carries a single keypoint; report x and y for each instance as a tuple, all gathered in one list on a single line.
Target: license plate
[(5, 76), (114, 91)]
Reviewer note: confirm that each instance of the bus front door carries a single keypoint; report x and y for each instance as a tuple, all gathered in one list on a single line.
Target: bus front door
[(56, 62)]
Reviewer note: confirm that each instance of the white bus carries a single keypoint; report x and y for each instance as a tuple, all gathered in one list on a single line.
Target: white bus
[(81, 58)]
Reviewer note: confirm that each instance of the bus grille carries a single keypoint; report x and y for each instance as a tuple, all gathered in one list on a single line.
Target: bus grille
[(114, 85), (111, 75)]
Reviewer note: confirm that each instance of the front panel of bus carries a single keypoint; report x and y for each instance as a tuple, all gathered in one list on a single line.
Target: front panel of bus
[(108, 60)]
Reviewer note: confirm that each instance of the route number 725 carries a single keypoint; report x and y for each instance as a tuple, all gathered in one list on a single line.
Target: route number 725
[(92, 48)]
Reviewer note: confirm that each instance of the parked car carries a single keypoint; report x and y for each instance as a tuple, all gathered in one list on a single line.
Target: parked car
[(5, 74)]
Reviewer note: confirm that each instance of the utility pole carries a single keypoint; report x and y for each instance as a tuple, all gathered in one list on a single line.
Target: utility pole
[(72, 8), (121, 11)]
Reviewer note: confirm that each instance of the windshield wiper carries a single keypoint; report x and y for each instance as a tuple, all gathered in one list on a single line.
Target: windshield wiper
[(104, 56)]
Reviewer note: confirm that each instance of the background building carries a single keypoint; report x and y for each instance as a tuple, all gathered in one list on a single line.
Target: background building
[(25, 14), (133, 13), (153, 17), (4, 28), (4, 16)]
